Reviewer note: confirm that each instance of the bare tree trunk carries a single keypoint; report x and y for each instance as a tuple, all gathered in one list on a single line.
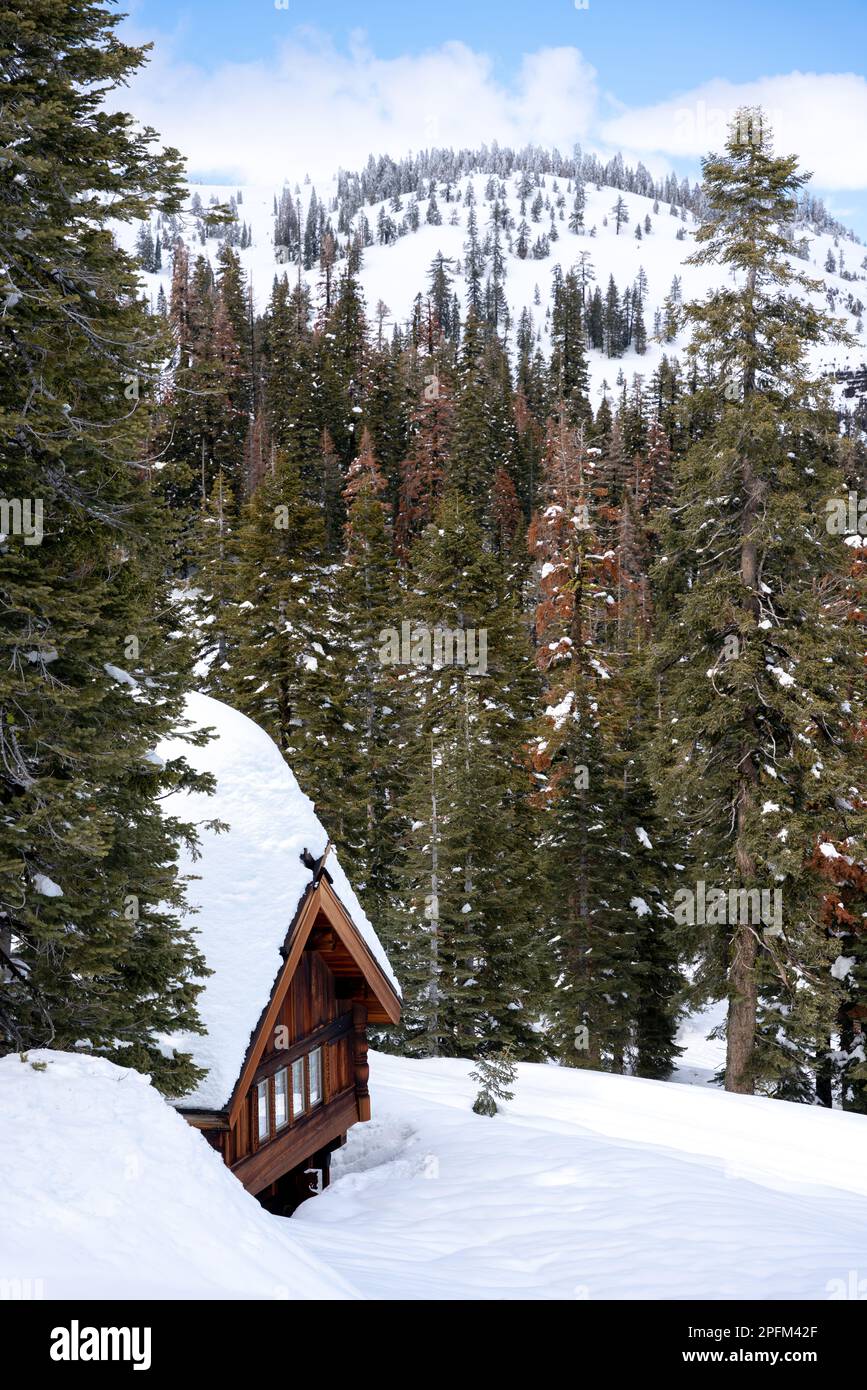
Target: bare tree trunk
[(743, 1004)]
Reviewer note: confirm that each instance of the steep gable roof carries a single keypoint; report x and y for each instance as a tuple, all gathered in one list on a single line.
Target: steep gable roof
[(249, 883)]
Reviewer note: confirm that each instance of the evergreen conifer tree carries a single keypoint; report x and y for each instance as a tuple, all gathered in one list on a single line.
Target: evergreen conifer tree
[(762, 687), (94, 672)]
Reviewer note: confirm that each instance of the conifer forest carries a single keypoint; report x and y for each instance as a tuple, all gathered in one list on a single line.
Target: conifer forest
[(574, 675)]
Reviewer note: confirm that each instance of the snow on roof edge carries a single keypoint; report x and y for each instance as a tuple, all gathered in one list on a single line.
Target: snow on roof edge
[(247, 885)]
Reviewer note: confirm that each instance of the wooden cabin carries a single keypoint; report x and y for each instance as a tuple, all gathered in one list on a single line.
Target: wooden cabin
[(298, 972)]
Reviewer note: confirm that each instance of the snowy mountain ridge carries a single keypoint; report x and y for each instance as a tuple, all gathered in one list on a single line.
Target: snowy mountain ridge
[(396, 269)]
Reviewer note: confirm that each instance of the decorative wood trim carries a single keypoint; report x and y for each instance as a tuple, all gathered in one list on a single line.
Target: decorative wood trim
[(327, 1033), (359, 1049), (318, 897), (378, 982)]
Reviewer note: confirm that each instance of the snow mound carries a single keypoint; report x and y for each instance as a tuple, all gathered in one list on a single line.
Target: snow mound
[(108, 1193), (246, 885), (590, 1186)]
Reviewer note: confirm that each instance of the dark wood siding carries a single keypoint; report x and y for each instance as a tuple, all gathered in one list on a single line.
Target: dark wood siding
[(296, 1145), (310, 1003), (311, 1015)]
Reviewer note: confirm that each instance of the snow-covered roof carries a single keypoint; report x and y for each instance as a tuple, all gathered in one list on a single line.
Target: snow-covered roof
[(250, 880)]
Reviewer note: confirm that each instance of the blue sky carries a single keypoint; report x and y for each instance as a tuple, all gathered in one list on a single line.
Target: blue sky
[(639, 47), (654, 78)]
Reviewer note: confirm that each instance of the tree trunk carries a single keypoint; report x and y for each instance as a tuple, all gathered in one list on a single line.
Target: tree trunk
[(743, 1000), (434, 977), (825, 1078), (743, 994)]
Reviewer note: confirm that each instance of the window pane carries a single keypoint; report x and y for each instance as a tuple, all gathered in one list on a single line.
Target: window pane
[(263, 1109), (315, 1060), (281, 1099), (298, 1105)]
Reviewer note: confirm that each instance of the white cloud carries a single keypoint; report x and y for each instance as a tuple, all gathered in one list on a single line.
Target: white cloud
[(820, 117), (314, 108)]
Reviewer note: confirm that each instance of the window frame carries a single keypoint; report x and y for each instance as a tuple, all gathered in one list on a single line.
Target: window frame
[(296, 1115), (267, 1086), (320, 1100), (285, 1124), (261, 1088)]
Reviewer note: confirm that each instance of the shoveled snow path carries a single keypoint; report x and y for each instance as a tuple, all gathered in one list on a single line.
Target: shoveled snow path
[(589, 1186)]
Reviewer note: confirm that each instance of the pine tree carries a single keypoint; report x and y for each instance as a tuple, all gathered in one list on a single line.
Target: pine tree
[(282, 668), (94, 952), (484, 432), (368, 602), (423, 470), (313, 228), (761, 684), (585, 275), (576, 216), (620, 213), (474, 266), (612, 321), (464, 929), (292, 392), (494, 1072), (593, 923), (496, 306), (144, 246), (596, 320), (345, 357), (569, 377)]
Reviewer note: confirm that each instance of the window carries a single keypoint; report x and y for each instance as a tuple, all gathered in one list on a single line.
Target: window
[(299, 1100), (315, 1075), (263, 1110), (281, 1099), (273, 1108)]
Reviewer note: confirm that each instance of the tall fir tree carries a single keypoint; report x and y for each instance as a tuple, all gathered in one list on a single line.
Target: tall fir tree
[(282, 667), (761, 683), (465, 929), (94, 952), (368, 602), (599, 886)]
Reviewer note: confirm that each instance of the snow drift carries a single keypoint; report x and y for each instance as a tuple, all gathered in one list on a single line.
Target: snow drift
[(584, 1186), (591, 1186), (108, 1193)]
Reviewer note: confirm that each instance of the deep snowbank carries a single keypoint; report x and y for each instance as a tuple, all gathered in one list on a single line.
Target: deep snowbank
[(106, 1192), (591, 1186), (585, 1186)]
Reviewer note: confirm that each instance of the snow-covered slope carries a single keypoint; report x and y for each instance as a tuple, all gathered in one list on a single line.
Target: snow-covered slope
[(703, 1057), (108, 1193), (584, 1186), (590, 1186), (396, 272), (246, 883)]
